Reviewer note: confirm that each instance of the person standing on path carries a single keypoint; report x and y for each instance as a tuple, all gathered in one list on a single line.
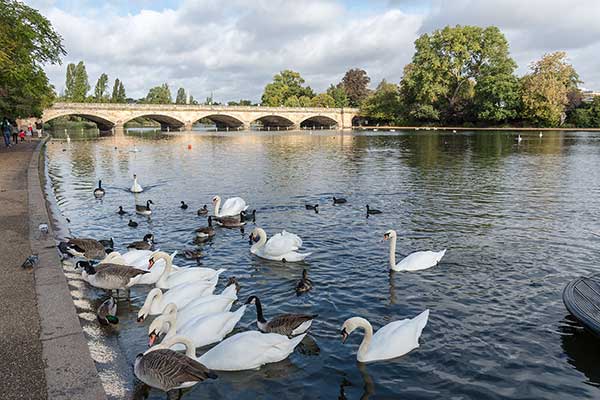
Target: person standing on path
[(15, 134), (6, 131)]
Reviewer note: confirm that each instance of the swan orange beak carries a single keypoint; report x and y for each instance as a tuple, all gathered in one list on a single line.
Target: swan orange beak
[(151, 339), (344, 335), (150, 262)]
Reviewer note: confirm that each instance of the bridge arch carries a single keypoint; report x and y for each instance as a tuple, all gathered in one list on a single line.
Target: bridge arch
[(166, 121), (222, 121), (104, 123), (270, 121), (319, 122)]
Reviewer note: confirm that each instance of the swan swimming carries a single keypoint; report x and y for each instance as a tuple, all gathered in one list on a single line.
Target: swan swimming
[(415, 261), (136, 187), (280, 247)]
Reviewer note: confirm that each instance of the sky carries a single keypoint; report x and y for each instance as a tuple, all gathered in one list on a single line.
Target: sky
[(233, 48)]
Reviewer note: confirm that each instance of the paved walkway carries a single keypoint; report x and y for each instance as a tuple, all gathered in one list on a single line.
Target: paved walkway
[(21, 366)]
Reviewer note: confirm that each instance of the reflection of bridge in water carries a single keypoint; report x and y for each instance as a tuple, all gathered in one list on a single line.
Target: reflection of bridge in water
[(182, 117)]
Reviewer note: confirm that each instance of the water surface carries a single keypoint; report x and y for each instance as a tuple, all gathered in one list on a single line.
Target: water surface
[(516, 220)]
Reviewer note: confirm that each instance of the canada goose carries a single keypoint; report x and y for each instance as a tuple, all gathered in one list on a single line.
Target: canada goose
[(167, 370), (203, 210), (235, 221), (83, 247), (121, 211), (144, 210), (99, 191), (372, 211), (133, 224), (110, 276), (304, 284), (231, 208), (340, 200), (192, 254), (310, 207), (145, 244), (205, 233), (183, 206), (107, 312), (107, 243), (248, 217), (284, 324)]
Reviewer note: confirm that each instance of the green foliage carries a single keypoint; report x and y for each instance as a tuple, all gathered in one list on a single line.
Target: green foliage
[(193, 101), (80, 85), (100, 94), (587, 115), (304, 101), (339, 96), (118, 92), (356, 86), (546, 89), (292, 101), (441, 81), (159, 95), (383, 105), (322, 100), (27, 41), (242, 102), (285, 85), (69, 81), (497, 98), (181, 96)]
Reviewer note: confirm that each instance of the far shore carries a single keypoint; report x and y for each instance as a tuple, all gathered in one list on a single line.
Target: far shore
[(464, 128)]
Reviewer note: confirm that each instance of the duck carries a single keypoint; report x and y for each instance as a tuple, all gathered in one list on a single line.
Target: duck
[(83, 247), (205, 233), (172, 315), (280, 247), (170, 279), (339, 200), (246, 350), (132, 223), (144, 210), (372, 211), (120, 211), (284, 324), (181, 295), (304, 284), (236, 221), (168, 370), (203, 210), (136, 187), (107, 312), (183, 206), (192, 254), (99, 191), (110, 276), (203, 330), (244, 216), (232, 206), (391, 341), (311, 207), (145, 244), (416, 261)]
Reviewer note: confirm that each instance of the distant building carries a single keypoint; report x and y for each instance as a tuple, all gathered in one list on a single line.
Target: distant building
[(588, 95)]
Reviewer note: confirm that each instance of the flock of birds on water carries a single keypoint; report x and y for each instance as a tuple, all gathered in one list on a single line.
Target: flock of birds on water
[(189, 315)]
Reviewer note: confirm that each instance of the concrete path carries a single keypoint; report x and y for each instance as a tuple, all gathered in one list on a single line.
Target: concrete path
[(43, 352)]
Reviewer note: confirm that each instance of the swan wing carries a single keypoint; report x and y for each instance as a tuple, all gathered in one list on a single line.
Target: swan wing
[(282, 243), (420, 260), (397, 338), (233, 206)]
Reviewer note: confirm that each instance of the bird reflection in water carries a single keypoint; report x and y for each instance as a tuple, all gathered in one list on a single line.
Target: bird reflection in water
[(368, 384)]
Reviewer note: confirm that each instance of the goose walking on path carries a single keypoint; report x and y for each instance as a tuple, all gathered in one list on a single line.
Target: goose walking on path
[(280, 247), (231, 208), (415, 261), (136, 187), (99, 191), (144, 209), (393, 340), (284, 324), (167, 370)]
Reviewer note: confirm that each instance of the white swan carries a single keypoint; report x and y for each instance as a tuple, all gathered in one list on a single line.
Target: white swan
[(393, 340), (169, 278), (519, 139), (140, 260), (280, 247), (136, 187), (202, 330), (415, 261), (231, 208), (181, 295)]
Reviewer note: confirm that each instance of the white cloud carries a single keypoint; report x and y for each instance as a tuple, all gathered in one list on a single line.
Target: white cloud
[(234, 48)]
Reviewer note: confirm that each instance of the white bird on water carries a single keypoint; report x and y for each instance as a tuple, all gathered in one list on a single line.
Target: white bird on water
[(136, 187), (415, 261), (519, 139)]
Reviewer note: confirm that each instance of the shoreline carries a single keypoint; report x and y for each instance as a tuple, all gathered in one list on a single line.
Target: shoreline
[(459, 128), (70, 371)]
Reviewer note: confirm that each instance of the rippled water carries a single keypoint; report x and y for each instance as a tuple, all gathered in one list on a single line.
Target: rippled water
[(516, 220)]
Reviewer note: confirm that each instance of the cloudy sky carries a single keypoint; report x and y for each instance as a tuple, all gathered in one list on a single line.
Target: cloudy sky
[(233, 47)]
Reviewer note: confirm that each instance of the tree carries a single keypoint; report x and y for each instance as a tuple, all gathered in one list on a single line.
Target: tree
[(441, 81), (339, 96), (304, 101), (181, 96), (193, 101), (100, 94), (285, 85), (356, 86), (383, 105), (546, 89), (292, 101), (322, 100), (242, 102), (80, 83), (497, 98), (27, 41), (159, 95), (587, 115), (69, 81), (118, 92)]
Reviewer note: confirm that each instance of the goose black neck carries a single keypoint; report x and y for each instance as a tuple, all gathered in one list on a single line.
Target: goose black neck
[(100, 184), (148, 204), (259, 311), (304, 274)]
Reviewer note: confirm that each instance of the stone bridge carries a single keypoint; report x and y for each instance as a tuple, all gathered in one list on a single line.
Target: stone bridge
[(182, 117)]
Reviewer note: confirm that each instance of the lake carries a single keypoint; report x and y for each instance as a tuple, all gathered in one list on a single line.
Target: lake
[(517, 220)]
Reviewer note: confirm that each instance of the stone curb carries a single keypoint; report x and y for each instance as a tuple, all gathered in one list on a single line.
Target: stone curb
[(70, 371)]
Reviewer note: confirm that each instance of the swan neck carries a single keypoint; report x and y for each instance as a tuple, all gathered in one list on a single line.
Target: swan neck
[(154, 293), (366, 342), (217, 206), (392, 251), (262, 235), (168, 266)]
